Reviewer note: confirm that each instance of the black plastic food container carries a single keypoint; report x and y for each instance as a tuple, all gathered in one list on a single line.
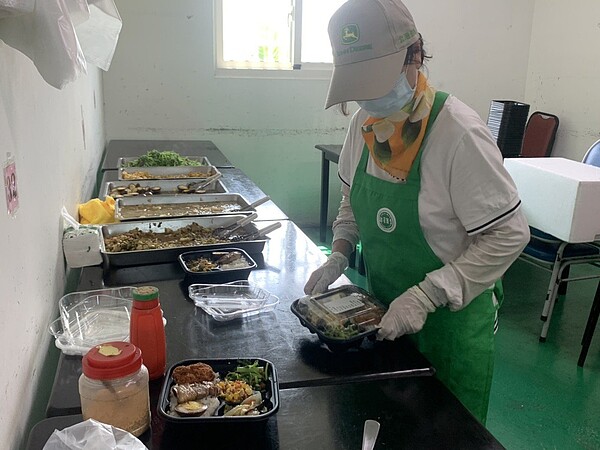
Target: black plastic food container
[(342, 318), (223, 367), (216, 276)]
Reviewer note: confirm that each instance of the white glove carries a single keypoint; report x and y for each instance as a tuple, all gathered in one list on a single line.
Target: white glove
[(406, 314), (330, 271)]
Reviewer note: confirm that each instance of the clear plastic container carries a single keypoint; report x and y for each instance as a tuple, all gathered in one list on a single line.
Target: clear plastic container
[(113, 387), (89, 318), (343, 315), (232, 300)]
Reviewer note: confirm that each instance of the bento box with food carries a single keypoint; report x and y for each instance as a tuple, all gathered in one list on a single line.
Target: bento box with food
[(167, 158), (165, 173), (216, 266), (219, 391), (166, 206), (341, 317), (118, 189), (148, 242)]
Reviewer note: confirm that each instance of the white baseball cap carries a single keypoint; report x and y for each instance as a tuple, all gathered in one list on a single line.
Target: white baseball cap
[(369, 39)]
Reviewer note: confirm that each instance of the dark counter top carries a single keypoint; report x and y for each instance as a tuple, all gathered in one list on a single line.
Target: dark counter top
[(301, 360), (414, 413)]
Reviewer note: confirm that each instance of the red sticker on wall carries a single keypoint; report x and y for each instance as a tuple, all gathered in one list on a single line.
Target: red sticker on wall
[(10, 187)]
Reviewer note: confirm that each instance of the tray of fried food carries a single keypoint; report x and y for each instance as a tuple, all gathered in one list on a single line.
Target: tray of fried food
[(135, 243)]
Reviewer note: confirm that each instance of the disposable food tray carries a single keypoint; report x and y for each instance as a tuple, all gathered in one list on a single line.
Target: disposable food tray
[(152, 256), (233, 300), (170, 173), (124, 160), (195, 202), (90, 318), (220, 274), (167, 187), (342, 318), (222, 367)]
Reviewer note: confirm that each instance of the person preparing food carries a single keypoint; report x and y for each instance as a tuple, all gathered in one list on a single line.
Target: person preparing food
[(425, 191)]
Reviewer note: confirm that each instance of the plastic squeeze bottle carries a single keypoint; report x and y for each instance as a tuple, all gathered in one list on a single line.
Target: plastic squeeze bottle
[(147, 330)]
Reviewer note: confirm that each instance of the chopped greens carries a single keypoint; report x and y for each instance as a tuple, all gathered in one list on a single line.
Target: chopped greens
[(155, 158), (253, 374)]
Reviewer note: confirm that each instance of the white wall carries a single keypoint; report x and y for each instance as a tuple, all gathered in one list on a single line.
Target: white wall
[(161, 85), (56, 162), (564, 70)]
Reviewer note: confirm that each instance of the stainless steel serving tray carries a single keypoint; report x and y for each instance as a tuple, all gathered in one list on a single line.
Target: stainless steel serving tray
[(121, 205), (124, 160), (169, 173), (167, 187), (140, 257)]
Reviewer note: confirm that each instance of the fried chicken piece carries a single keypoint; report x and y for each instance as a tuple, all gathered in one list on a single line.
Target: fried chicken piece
[(194, 373)]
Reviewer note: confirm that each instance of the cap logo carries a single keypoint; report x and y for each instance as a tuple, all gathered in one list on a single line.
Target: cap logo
[(350, 34)]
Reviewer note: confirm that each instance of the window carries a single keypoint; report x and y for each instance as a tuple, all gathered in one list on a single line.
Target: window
[(274, 34)]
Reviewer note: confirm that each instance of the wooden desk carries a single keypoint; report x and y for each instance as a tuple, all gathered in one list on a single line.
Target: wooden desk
[(132, 147), (329, 153)]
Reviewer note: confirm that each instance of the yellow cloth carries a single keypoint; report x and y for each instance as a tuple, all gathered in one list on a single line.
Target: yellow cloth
[(394, 141), (97, 211)]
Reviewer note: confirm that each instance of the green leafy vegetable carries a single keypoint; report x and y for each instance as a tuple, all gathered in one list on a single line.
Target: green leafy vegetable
[(253, 374), (155, 158)]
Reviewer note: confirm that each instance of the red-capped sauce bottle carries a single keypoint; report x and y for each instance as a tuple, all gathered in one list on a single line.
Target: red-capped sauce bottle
[(147, 330)]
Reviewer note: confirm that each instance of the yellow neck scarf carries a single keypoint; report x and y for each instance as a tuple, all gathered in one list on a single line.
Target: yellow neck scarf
[(394, 141)]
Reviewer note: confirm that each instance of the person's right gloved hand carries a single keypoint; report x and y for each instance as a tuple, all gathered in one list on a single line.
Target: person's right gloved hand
[(330, 271)]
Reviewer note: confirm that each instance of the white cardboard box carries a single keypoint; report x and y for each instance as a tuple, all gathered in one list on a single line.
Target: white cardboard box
[(560, 196)]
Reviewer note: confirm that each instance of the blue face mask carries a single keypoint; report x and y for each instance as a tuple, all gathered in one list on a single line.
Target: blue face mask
[(392, 102)]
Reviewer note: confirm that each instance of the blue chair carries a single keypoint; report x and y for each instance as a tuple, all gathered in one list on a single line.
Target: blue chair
[(592, 156), (550, 253)]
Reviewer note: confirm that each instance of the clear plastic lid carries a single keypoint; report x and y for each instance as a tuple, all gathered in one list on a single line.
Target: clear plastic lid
[(232, 300), (92, 317), (341, 313)]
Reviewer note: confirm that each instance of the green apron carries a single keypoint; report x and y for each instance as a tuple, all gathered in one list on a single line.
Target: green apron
[(460, 345)]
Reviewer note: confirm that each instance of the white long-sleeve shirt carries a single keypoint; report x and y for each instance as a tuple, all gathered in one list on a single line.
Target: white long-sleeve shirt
[(469, 208)]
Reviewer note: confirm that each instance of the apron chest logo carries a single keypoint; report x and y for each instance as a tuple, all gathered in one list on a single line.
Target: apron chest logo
[(386, 221)]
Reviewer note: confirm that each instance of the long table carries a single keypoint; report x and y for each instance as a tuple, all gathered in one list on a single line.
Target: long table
[(325, 396), (414, 413)]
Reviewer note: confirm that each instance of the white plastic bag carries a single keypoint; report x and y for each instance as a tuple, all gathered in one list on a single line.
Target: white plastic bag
[(47, 37), (99, 34), (93, 435), (14, 7)]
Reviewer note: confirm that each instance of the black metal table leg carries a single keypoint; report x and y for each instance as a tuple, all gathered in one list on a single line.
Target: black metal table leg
[(324, 198), (590, 327)]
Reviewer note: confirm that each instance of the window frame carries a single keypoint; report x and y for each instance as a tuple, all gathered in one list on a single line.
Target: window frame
[(297, 70)]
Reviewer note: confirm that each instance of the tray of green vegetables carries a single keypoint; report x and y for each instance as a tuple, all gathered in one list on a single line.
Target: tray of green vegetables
[(166, 158)]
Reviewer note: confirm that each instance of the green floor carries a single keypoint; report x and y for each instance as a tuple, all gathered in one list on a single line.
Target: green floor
[(540, 398)]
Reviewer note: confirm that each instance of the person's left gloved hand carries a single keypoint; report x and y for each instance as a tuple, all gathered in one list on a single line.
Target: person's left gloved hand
[(406, 314)]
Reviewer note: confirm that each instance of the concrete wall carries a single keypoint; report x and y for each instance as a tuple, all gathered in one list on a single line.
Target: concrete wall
[(57, 139), (162, 85), (563, 71)]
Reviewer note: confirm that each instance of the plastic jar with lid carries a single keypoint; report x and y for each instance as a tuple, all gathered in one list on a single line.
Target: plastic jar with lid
[(114, 387)]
